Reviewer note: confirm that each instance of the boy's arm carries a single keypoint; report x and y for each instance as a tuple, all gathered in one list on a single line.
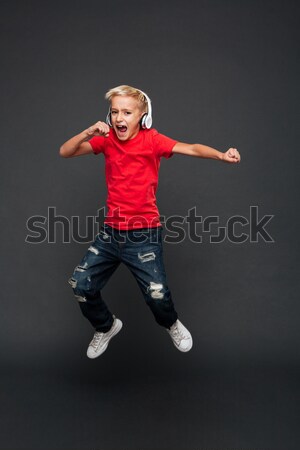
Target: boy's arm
[(203, 151), (78, 144)]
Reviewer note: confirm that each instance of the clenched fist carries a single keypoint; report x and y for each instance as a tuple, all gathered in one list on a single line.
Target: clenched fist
[(232, 156), (99, 129)]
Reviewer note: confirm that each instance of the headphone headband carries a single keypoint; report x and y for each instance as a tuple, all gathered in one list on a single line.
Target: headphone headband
[(146, 120)]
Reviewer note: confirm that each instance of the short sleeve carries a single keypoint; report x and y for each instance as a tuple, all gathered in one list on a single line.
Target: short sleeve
[(97, 143), (163, 145)]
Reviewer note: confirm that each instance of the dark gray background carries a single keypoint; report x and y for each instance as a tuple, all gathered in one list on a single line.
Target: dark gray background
[(222, 73)]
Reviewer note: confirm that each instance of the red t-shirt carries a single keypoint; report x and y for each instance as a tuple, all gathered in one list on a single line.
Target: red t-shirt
[(131, 170)]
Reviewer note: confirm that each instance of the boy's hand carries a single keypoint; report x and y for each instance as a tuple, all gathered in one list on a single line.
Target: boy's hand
[(232, 156), (99, 129)]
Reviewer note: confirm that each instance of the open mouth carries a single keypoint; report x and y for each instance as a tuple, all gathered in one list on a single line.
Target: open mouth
[(121, 128)]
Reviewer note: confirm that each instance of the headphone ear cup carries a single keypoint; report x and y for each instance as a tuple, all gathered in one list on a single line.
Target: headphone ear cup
[(108, 119), (143, 121), (146, 121)]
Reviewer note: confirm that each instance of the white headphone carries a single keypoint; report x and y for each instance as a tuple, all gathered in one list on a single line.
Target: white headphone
[(146, 120)]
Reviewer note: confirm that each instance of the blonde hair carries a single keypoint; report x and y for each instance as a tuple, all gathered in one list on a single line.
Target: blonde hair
[(131, 92)]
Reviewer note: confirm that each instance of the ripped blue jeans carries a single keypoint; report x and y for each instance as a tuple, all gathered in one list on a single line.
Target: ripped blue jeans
[(141, 251)]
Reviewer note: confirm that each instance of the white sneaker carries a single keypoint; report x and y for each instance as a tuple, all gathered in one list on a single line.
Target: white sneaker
[(100, 341), (181, 337)]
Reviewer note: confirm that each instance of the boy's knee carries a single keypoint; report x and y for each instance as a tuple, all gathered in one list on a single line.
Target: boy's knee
[(72, 282), (80, 288), (156, 291), (80, 280)]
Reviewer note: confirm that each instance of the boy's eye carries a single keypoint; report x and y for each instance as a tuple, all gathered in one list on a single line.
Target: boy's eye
[(128, 113)]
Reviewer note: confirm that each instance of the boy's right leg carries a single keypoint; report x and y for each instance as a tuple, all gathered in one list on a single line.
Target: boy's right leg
[(90, 276)]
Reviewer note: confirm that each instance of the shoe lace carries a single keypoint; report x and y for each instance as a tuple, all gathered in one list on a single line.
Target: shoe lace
[(178, 334), (96, 339)]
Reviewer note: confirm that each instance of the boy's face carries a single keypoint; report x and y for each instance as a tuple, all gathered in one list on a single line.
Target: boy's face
[(126, 114)]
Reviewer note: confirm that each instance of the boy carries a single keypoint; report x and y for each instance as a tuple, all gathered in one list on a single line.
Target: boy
[(132, 231)]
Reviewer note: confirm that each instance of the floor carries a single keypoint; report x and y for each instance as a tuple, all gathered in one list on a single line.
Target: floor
[(138, 400)]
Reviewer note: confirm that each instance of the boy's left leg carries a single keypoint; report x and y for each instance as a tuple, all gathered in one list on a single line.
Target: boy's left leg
[(143, 255)]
